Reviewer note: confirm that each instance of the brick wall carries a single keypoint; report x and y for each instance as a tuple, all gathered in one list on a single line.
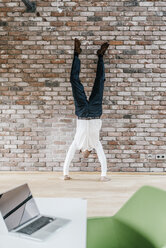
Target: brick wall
[(36, 105)]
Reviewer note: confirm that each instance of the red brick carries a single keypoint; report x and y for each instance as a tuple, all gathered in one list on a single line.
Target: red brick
[(23, 102), (61, 61), (116, 42)]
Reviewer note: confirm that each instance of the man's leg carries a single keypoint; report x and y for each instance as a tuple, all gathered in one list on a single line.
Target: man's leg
[(98, 87), (96, 97), (77, 87), (69, 157), (79, 95), (102, 160)]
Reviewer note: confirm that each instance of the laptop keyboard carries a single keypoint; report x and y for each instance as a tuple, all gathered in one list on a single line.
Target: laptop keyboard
[(36, 225)]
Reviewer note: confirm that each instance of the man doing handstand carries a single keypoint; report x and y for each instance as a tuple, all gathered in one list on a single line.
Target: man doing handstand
[(88, 112)]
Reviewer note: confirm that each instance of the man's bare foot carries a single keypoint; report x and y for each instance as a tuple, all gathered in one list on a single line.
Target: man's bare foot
[(104, 179), (66, 177)]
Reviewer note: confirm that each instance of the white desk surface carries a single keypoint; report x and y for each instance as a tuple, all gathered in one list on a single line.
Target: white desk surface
[(72, 235)]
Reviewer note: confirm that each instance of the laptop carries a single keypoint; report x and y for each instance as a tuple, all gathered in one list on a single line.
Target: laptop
[(23, 218)]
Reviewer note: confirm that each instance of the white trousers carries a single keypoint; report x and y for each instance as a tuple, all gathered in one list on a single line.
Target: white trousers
[(100, 154)]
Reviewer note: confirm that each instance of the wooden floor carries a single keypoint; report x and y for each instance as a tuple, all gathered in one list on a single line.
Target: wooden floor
[(104, 198)]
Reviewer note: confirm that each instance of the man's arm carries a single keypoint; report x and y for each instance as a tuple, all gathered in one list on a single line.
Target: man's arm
[(69, 157), (102, 158)]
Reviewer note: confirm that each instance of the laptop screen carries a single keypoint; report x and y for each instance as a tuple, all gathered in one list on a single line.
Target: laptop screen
[(17, 206)]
